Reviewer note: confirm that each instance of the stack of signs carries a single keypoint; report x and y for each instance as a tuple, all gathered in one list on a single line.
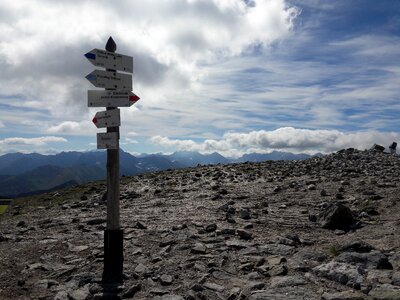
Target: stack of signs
[(118, 93)]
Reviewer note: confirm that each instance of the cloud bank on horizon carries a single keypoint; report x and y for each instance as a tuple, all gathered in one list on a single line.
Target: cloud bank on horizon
[(231, 76), (287, 139)]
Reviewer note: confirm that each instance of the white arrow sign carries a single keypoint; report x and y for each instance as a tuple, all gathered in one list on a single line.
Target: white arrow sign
[(110, 80), (107, 118), (110, 60), (111, 98), (107, 140)]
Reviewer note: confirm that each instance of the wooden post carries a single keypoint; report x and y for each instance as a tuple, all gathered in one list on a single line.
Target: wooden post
[(113, 235)]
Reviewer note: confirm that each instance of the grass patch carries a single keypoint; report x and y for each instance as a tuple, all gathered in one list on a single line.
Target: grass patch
[(333, 250), (3, 209), (51, 199)]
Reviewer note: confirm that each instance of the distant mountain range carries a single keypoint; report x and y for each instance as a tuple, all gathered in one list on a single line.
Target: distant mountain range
[(27, 174)]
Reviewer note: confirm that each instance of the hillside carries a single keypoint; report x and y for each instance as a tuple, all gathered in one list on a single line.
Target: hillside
[(30, 174), (321, 228)]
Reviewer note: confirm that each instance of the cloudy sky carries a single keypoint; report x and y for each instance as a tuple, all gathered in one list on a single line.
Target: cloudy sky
[(231, 76)]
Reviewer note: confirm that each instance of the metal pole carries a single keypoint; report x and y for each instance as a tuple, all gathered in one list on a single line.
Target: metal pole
[(113, 235)]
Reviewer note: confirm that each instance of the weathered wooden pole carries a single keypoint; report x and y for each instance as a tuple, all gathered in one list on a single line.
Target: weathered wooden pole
[(118, 93), (113, 235)]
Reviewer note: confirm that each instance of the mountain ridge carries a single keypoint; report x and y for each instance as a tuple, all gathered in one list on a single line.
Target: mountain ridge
[(24, 174)]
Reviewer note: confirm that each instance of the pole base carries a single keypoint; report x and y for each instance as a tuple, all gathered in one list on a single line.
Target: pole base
[(113, 255)]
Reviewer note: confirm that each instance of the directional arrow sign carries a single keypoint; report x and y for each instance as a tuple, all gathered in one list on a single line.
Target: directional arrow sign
[(110, 60), (111, 98), (110, 80), (107, 118), (107, 140)]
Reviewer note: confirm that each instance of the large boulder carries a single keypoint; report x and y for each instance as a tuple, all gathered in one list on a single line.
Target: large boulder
[(378, 148), (336, 216), (342, 273)]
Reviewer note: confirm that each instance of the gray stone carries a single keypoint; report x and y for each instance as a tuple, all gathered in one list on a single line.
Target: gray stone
[(336, 216), (251, 286), (356, 246), (284, 281), (345, 295), (244, 235), (132, 291), (42, 283), (374, 259), (199, 248), (21, 223), (237, 244), (228, 231), (234, 293), (396, 278), (141, 268), (341, 272), (211, 227), (80, 294), (214, 287), (247, 267), (276, 249), (96, 221), (379, 276), (166, 279), (385, 292), (106, 296), (197, 287), (73, 248), (169, 297), (378, 148), (61, 295), (286, 293), (249, 251), (140, 225), (248, 226), (285, 241), (311, 187), (278, 270), (244, 214)]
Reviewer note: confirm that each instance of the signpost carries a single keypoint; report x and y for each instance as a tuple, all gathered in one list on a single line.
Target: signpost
[(107, 140), (110, 80), (110, 98), (117, 94), (107, 118), (110, 60)]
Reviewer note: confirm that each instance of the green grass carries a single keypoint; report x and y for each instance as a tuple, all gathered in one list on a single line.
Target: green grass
[(333, 250), (51, 199), (3, 209)]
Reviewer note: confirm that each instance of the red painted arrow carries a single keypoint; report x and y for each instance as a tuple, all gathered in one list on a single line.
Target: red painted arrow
[(133, 98), (94, 120)]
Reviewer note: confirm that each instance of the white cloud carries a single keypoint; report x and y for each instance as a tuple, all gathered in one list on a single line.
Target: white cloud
[(179, 144), (128, 141), (282, 139), (132, 133), (73, 128), (171, 42), (195, 71), (39, 141)]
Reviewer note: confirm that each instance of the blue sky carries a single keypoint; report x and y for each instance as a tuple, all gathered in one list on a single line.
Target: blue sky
[(217, 75)]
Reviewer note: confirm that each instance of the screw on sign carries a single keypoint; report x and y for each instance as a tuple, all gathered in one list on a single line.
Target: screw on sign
[(117, 93)]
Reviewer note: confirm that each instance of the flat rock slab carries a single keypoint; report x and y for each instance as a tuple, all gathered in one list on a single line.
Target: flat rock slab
[(287, 293)]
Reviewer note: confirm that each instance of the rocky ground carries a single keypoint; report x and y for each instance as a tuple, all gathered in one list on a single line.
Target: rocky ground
[(323, 228)]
